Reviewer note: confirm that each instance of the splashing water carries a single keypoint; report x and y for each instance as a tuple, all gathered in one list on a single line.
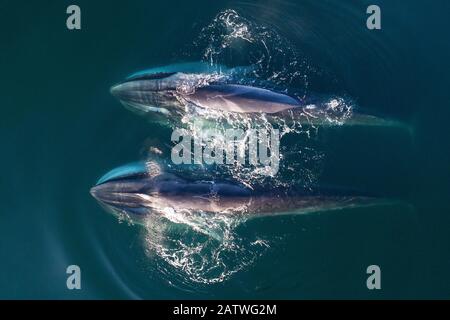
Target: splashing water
[(234, 40), (206, 248), (200, 247), (231, 39), (253, 176)]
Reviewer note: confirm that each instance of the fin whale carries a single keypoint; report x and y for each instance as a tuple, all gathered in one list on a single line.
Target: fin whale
[(163, 93), (138, 190)]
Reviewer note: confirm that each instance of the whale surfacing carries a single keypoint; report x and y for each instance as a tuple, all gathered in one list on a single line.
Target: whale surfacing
[(137, 191), (163, 94)]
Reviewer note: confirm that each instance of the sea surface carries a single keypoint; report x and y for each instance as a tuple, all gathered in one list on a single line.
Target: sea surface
[(61, 130)]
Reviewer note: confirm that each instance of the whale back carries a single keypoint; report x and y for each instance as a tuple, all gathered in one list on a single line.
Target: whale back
[(241, 99)]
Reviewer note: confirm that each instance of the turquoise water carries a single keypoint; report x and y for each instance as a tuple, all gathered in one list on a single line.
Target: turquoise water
[(61, 130)]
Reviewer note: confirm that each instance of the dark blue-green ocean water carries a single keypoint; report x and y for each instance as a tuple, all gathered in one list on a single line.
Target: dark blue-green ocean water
[(60, 130)]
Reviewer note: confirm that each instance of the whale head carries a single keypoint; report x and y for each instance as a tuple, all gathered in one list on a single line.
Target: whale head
[(126, 189), (149, 93), (143, 188), (135, 189), (160, 90)]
